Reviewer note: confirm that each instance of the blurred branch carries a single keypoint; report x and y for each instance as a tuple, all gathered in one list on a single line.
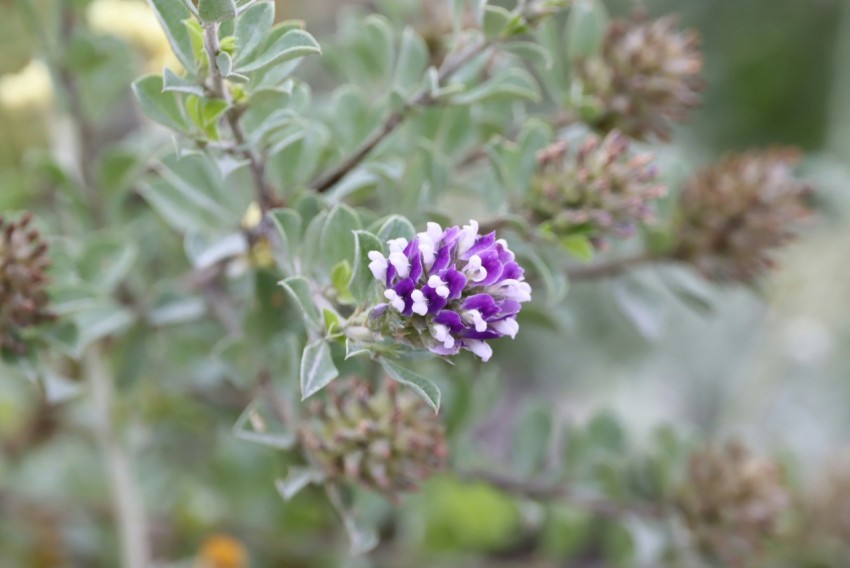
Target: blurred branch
[(546, 491), (129, 510), (611, 268)]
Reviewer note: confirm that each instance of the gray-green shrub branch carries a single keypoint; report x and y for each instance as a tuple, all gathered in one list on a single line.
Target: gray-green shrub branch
[(265, 192)]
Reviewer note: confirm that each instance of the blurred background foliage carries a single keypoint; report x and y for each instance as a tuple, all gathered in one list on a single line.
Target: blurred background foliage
[(765, 366)]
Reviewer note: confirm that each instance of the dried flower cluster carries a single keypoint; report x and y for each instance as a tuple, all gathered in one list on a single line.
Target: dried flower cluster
[(387, 439), (599, 189), (449, 290), (828, 505), (646, 77), (732, 502), (733, 213), (23, 265)]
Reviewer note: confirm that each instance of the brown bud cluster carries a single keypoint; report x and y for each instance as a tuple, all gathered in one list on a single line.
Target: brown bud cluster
[(735, 212), (387, 439), (599, 188), (23, 266), (646, 77), (732, 502)]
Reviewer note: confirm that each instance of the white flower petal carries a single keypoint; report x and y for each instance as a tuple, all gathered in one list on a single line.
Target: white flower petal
[(401, 264), (480, 348), (508, 327), (379, 265)]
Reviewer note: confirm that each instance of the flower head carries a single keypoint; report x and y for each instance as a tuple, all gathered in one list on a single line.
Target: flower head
[(599, 188), (732, 502), (449, 290), (735, 212), (646, 76), (23, 267), (387, 439)]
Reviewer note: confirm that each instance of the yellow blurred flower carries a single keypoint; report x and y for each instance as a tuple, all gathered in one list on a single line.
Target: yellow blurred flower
[(135, 23), (222, 551), (29, 88)]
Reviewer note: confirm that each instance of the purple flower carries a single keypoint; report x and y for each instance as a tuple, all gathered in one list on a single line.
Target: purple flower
[(449, 290)]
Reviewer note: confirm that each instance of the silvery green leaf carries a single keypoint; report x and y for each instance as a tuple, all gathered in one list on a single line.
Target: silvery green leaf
[(212, 11), (394, 227), (412, 62), (512, 83), (363, 538), (586, 28), (496, 21), (642, 305), (353, 349), (336, 241), (416, 382), (298, 289), (180, 311), (290, 45), (162, 107), (362, 284), (288, 224), (317, 368), (225, 248), (252, 28), (171, 81), (171, 15), (224, 63)]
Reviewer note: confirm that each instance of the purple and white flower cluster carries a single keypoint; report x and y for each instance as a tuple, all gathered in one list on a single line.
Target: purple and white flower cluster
[(449, 290)]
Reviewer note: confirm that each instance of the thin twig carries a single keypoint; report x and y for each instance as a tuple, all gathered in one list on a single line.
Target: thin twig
[(611, 268), (451, 66), (129, 512), (265, 193), (546, 491)]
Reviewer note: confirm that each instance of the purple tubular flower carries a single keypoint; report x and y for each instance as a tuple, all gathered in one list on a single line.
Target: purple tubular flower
[(452, 289)]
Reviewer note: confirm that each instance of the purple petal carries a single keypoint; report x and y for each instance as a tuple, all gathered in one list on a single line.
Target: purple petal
[(435, 302), (403, 288), (442, 259), (481, 244), (412, 254), (455, 280), (508, 308), (484, 303), (440, 349), (512, 270), (490, 261), (450, 237), (450, 319), (483, 335)]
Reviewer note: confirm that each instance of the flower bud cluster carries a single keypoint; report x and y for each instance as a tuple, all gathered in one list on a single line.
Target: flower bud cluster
[(598, 189), (732, 502), (735, 212), (387, 439), (646, 77), (23, 276), (449, 290)]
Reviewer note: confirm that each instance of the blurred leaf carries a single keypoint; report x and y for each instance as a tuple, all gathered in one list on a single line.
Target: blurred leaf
[(298, 289), (297, 478), (363, 537), (171, 14), (362, 283), (496, 21), (284, 47), (586, 29), (317, 368), (336, 242), (251, 28), (171, 82), (512, 83), (341, 275), (412, 62), (394, 227), (163, 107), (260, 424), (642, 305), (211, 11), (425, 388), (531, 440)]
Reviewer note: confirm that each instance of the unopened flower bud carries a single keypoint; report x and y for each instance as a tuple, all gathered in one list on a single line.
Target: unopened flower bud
[(598, 188), (646, 77), (734, 213), (386, 438), (23, 277)]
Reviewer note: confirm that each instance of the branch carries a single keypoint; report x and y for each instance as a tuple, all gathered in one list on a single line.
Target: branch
[(129, 511), (423, 98), (265, 193), (611, 268), (544, 491)]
